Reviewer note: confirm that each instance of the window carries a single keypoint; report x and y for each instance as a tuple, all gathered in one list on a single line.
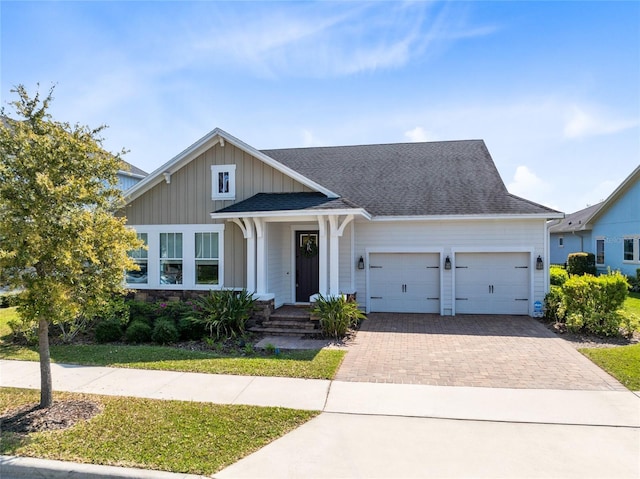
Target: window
[(206, 254), (629, 249), (223, 182), (141, 258), (561, 242), (170, 258), (600, 251)]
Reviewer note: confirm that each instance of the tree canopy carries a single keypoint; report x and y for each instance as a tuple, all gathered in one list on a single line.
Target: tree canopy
[(59, 239)]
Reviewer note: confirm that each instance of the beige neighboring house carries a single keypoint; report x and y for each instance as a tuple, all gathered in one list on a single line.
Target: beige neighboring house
[(411, 227)]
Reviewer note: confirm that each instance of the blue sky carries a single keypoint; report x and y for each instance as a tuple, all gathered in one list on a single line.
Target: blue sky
[(552, 87)]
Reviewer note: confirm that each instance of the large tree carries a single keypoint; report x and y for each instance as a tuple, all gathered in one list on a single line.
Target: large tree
[(59, 239)]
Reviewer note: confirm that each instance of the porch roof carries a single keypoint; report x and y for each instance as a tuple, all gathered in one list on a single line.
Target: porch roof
[(307, 203)]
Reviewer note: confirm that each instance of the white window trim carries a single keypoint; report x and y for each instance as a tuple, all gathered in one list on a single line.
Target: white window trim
[(215, 170), (188, 256), (604, 250)]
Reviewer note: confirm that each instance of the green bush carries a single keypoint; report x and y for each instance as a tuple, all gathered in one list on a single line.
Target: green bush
[(138, 332), (224, 313), (8, 300), (558, 275), (337, 315), (108, 331), (581, 263), (553, 305), (592, 303), (24, 331), (173, 310), (164, 331), (142, 311), (190, 328)]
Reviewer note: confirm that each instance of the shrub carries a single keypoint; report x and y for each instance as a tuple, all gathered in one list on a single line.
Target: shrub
[(591, 303), (581, 263), (337, 315), (141, 311), (553, 305), (108, 331), (558, 275), (634, 282), (224, 313), (8, 300), (164, 331), (24, 331), (138, 332), (190, 328), (173, 310)]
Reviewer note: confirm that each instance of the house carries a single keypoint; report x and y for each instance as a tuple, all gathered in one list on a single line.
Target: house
[(610, 230), (411, 227), (129, 175), (571, 235)]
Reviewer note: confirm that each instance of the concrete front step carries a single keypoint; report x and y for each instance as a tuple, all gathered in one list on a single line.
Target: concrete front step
[(284, 331), (288, 324)]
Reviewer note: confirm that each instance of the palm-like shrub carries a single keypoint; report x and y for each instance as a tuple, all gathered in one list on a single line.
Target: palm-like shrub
[(224, 313), (337, 315)]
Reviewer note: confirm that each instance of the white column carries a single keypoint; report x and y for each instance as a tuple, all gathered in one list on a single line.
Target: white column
[(261, 259), (246, 225), (334, 256), (322, 255)]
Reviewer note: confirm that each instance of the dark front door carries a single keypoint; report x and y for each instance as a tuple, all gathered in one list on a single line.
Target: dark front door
[(307, 263)]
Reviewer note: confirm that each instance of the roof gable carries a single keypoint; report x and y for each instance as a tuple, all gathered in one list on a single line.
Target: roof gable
[(216, 136), (633, 180)]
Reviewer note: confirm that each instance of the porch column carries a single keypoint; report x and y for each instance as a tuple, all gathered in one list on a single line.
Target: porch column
[(261, 258), (322, 255), (246, 226), (336, 230)]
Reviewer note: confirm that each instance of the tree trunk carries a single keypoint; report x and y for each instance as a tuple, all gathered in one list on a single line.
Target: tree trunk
[(46, 388)]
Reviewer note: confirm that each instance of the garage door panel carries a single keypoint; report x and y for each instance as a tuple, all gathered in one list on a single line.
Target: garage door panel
[(404, 282), (492, 283)]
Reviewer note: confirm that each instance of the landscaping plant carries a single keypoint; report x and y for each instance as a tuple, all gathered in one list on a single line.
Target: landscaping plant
[(224, 313), (337, 315)]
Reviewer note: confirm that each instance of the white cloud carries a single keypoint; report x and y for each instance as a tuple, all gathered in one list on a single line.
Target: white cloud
[(419, 134), (309, 139), (581, 123), (528, 185)]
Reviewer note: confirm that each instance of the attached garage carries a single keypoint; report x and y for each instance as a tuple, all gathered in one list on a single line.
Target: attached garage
[(404, 282), (492, 283)]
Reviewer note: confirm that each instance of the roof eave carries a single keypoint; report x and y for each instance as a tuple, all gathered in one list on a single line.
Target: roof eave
[(635, 174), (545, 216)]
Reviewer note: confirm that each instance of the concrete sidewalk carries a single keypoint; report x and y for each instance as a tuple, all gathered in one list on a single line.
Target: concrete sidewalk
[(394, 430)]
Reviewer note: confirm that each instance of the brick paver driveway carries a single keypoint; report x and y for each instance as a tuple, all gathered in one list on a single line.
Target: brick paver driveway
[(469, 350)]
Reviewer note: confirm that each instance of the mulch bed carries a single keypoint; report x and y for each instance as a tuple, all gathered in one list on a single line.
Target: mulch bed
[(61, 415), (580, 340)]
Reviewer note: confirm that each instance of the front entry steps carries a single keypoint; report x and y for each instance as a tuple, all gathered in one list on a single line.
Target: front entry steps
[(289, 320)]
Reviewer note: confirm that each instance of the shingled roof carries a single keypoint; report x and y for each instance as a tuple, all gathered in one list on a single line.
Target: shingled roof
[(577, 221), (411, 179), (287, 202)]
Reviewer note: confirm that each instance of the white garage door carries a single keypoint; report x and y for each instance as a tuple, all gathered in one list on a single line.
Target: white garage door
[(404, 282), (492, 283)]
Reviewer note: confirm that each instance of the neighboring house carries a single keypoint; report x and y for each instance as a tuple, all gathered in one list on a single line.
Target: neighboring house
[(571, 235), (413, 227), (129, 175), (611, 229)]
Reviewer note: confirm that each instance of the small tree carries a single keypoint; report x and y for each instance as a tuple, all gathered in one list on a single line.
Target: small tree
[(59, 239)]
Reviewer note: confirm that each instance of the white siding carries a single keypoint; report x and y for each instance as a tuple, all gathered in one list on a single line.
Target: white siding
[(279, 262), (347, 261), (447, 237)]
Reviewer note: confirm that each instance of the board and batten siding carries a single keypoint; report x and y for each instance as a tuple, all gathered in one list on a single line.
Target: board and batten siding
[(446, 237), (279, 262), (187, 199)]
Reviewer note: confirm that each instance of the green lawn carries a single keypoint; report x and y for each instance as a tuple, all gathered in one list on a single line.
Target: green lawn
[(632, 304), (623, 363), (176, 436), (310, 364)]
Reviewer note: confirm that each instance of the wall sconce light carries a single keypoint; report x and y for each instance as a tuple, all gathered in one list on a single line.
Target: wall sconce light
[(447, 263), (361, 263), (539, 263)]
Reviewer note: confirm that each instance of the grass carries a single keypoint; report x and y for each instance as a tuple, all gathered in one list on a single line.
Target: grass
[(623, 363), (176, 436), (309, 364), (632, 304)]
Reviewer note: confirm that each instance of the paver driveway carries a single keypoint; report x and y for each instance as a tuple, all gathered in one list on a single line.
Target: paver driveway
[(469, 350)]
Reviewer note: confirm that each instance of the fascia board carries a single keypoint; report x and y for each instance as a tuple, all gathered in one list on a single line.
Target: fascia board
[(291, 214), (545, 216)]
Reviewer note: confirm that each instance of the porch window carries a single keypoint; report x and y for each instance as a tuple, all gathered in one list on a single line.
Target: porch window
[(170, 258), (629, 249), (206, 258), (141, 257), (600, 251), (223, 182)]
